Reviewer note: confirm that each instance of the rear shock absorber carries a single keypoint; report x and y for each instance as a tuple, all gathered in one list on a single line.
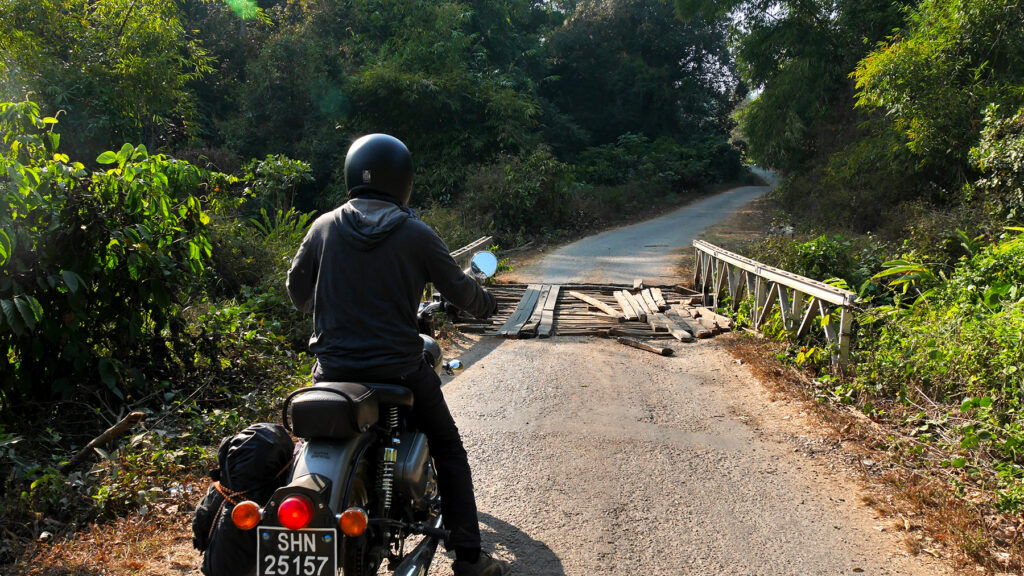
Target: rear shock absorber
[(388, 459)]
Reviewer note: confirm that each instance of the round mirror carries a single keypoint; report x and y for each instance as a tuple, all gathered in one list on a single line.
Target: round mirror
[(483, 265)]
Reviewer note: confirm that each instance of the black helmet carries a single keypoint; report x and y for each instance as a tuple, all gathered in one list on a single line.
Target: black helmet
[(379, 163)]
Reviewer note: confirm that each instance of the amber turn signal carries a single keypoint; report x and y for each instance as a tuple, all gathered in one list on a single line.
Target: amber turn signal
[(246, 515), (353, 522)]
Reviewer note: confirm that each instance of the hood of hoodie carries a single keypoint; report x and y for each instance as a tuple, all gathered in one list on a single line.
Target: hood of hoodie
[(365, 222)]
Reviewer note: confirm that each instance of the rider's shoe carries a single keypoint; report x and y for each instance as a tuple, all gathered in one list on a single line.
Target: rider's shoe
[(484, 566)]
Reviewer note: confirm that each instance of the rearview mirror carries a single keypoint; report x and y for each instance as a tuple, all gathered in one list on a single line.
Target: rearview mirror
[(483, 265)]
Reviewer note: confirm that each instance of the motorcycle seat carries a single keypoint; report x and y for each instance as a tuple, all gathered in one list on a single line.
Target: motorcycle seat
[(334, 410), (392, 394)]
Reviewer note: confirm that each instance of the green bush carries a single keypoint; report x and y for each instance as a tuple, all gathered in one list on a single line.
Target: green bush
[(961, 345), (663, 163), (1000, 159), (95, 267), (529, 193)]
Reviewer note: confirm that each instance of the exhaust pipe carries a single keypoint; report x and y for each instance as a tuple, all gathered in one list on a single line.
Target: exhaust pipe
[(418, 561)]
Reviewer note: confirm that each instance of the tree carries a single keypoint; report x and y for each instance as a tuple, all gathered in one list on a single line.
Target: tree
[(936, 78), (629, 66), (119, 68)]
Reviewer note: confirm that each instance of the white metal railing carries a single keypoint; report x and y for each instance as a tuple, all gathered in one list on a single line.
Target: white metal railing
[(800, 300), (463, 255)]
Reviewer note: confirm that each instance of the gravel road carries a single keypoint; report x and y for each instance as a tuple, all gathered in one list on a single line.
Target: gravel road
[(591, 458)]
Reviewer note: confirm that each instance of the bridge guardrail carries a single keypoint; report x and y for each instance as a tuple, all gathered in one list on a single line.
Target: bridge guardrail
[(800, 299), (463, 255)]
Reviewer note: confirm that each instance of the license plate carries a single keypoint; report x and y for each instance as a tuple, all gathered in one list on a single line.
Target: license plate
[(309, 552)]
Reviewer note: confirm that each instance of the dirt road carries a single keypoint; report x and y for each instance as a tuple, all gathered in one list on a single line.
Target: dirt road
[(591, 458)]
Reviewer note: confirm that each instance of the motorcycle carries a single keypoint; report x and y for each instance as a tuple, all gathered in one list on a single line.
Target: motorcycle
[(363, 484)]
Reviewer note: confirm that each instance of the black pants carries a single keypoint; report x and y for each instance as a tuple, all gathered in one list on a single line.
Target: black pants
[(431, 416)]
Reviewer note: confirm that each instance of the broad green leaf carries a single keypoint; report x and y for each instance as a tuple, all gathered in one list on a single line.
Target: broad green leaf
[(109, 376), (13, 318), (30, 309), (71, 280), (5, 247), (107, 157), (959, 462), (124, 154)]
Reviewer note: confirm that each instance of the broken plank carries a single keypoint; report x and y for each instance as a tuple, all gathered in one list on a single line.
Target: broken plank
[(641, 310), (723, 322), (652, 306), (627, 308), (522, 312), (659, 298), (639, 333), (530, 326), (596, 304), (644, 346), (547, 319), (692, 325), (662, 323)]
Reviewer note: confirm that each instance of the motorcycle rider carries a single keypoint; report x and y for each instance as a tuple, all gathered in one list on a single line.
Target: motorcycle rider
[(361, 271)]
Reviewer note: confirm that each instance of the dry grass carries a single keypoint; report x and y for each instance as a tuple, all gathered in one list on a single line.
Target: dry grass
[(156, 544)]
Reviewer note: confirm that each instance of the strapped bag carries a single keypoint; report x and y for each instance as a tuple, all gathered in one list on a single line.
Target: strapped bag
[(251, 465)]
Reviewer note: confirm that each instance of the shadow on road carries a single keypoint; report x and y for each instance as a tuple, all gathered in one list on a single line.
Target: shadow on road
[(470, 354), (530, 556)]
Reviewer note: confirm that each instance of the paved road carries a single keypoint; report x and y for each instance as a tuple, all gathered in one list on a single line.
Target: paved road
[(648, 250), (594, 459)]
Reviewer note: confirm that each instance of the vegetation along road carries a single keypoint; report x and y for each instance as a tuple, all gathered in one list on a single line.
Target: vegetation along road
[(593, 458)]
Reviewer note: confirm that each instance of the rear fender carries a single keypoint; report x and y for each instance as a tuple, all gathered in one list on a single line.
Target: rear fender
[(332, 460)]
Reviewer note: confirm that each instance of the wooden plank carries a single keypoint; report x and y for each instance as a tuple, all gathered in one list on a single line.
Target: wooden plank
[(659, 298), (692, 325), (627, 308), (662, 323), (644, 346), (638, 284), (529, 327), (522, 311), (597, 304), (622, 331), (641, 310), (723, 322), (547, 320), (652, 306)]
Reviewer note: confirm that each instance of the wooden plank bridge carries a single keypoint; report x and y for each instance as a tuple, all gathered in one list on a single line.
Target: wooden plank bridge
[(545, 310)]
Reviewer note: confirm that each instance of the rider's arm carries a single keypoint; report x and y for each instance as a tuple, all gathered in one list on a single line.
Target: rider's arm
[(455, 285), (302, 275)]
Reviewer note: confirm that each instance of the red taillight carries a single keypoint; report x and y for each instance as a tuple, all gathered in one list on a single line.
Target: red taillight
[(295, 512)]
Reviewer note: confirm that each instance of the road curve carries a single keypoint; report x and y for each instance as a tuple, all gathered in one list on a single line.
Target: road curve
[(648, 250)]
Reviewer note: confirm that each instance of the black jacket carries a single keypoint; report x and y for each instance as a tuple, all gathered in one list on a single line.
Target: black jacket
[(361, 271)]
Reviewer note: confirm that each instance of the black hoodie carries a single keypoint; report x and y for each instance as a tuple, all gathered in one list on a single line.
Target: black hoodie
[(361, 271)]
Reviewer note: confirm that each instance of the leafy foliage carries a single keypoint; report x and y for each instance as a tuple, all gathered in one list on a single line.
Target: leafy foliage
[(962, 346), (999, 157), (121, 69), (937, 76), (95, 265), (630, 66)]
